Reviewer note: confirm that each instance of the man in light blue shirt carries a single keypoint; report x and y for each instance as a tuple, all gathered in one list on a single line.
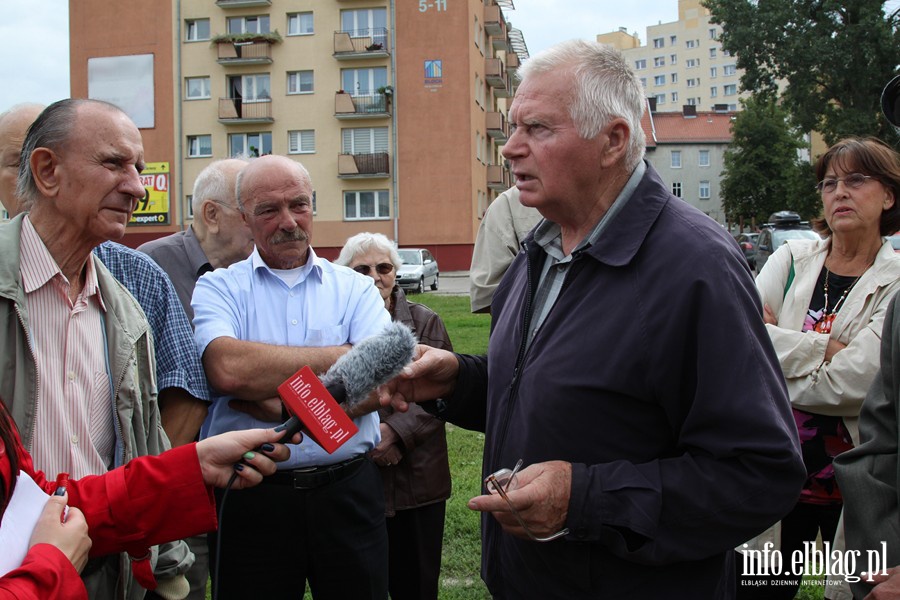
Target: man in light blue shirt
[(321, 517)]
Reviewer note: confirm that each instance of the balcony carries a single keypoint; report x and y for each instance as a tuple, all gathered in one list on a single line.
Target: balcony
[(493, 20), (364, 106), (364, 166), (495, 125), (244, 53), (498, 178), (512, 62), (495, 75), (238, 110), (362, 43), (242, 3)]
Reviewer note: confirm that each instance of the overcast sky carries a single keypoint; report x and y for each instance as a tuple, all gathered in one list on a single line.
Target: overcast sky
[(34, 65)]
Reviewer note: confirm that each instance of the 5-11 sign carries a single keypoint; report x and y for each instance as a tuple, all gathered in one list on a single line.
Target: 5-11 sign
[(439, 5)]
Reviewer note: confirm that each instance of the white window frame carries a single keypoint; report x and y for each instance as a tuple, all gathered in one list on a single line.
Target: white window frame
[(260, 24), (674, 97), (675, 159), (730, 90), (714, 72), (703, 158), (660, 99), (690, 44), (191, 33), (204, 85), (365, 140), (659, 80), (659, 61), (729, 70), (640, 64), (251, 88), (659, 42), (298, 138), (692, 63), (703, 192), (693, 82), (674, 78), (246, 144), (295, 23), (673, 59), (195, 146), (712, 52), (713, 92), (295, 82), (376, 201)]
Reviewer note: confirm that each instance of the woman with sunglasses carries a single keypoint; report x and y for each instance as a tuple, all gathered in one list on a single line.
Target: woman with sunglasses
[(824, 305), (412, 454)]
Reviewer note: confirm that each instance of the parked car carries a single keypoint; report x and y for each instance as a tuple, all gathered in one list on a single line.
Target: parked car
[(747, 242), (782, 226), (418, 270)]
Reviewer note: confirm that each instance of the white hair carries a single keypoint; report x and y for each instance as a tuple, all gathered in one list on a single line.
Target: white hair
[(364, 242)]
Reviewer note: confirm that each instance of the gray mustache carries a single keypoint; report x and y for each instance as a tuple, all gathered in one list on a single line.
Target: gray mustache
[(289, 236)]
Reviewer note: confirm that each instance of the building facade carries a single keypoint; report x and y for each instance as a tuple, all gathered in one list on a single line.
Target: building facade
[(683, 62), (397, 109)]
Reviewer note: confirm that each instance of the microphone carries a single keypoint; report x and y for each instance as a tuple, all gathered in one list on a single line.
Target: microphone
[(313, 403)]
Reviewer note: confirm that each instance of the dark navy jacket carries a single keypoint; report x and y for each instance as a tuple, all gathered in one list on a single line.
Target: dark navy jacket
[(653, 374)]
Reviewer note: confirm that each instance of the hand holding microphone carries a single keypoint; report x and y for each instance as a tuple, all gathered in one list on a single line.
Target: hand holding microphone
[(430, 376)]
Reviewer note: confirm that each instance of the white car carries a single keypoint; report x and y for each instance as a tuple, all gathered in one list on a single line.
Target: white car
[(418, 270)]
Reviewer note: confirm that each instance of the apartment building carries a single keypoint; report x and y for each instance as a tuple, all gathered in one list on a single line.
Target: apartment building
[(683, 63), (397, 109)]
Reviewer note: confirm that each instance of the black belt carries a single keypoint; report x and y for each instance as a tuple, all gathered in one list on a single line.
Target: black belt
[(313, 477)]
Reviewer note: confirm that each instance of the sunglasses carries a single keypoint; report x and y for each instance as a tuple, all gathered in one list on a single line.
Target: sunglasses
[(381, 268)]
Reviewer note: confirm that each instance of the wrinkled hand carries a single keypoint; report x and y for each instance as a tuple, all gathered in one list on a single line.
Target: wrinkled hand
[(70, 537), (887, 586), (252, 453), (365, 406), (268, 410), (541, 498), (431, 375), (387, 453), (769, 315)]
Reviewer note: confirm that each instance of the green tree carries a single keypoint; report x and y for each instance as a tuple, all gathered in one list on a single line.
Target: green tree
[(763, 171), (833, 56)]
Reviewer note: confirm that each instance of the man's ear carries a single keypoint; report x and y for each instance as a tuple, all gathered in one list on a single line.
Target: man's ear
[(618, 135), (211, 213), (44, 165)]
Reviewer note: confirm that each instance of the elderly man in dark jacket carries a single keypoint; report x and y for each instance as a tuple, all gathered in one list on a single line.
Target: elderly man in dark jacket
[(636, 384)]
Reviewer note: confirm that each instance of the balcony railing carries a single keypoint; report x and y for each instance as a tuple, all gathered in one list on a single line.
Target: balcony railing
[(244, 53), (359, 166), (512, 62), (495, 74), (498, 178), (494, 23), (361, 43), (238, 110), (348, 106), (242, 3), (495, 125)]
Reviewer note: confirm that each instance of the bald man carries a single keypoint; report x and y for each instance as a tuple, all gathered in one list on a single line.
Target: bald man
[(14, 125)]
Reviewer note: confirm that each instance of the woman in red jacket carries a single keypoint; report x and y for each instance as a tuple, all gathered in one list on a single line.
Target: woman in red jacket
[(149, 500)]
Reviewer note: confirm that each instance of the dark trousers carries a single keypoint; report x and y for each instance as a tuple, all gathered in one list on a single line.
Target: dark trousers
[(275, 538), (415, 537), (802, 524)]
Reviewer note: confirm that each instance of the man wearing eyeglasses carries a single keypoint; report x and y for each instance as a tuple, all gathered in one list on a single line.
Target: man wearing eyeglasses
[(637, 426), (320, 518)]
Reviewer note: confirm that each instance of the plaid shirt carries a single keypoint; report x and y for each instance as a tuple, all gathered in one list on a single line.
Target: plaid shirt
[(177, 361)]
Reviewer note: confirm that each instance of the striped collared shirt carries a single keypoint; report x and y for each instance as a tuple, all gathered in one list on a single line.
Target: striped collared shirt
[(74, 428)]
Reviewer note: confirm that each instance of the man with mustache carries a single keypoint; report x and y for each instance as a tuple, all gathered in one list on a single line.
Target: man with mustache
[(320, 518)]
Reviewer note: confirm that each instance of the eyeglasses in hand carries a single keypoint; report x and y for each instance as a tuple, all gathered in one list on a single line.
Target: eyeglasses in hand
[(503, 481)]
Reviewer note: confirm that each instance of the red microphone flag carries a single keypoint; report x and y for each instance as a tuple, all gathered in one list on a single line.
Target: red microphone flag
[(307, 399)]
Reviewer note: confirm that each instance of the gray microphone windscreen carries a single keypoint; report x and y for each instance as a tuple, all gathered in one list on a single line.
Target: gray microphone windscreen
[(373, 362)]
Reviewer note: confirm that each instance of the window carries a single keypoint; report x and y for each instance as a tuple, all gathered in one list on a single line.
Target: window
[(640, 64), (676, 189), (189, 202), (712, 52), (703, 158), (713, 92), (693, 101), (673, 39), (478, 146), (713, 33), (250, 144), (660, 99), (704, 190), (300, 82), (258, 24), (365, 140), (659, 42), (730, 90), (676, 159), (729, 70), (732, 107), (196, 88), (725, 52), (692, 63), (713, 71), (674, 97), (302, 141), (659, 61), (199, 146), (659, 80), (693, 82), (691, 44), (363, 82), (673, 59), (300, 23), (366, 205), (674, 77), (373, 21), (643, 82), (196, 30), (478, 99), (250, 88)]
